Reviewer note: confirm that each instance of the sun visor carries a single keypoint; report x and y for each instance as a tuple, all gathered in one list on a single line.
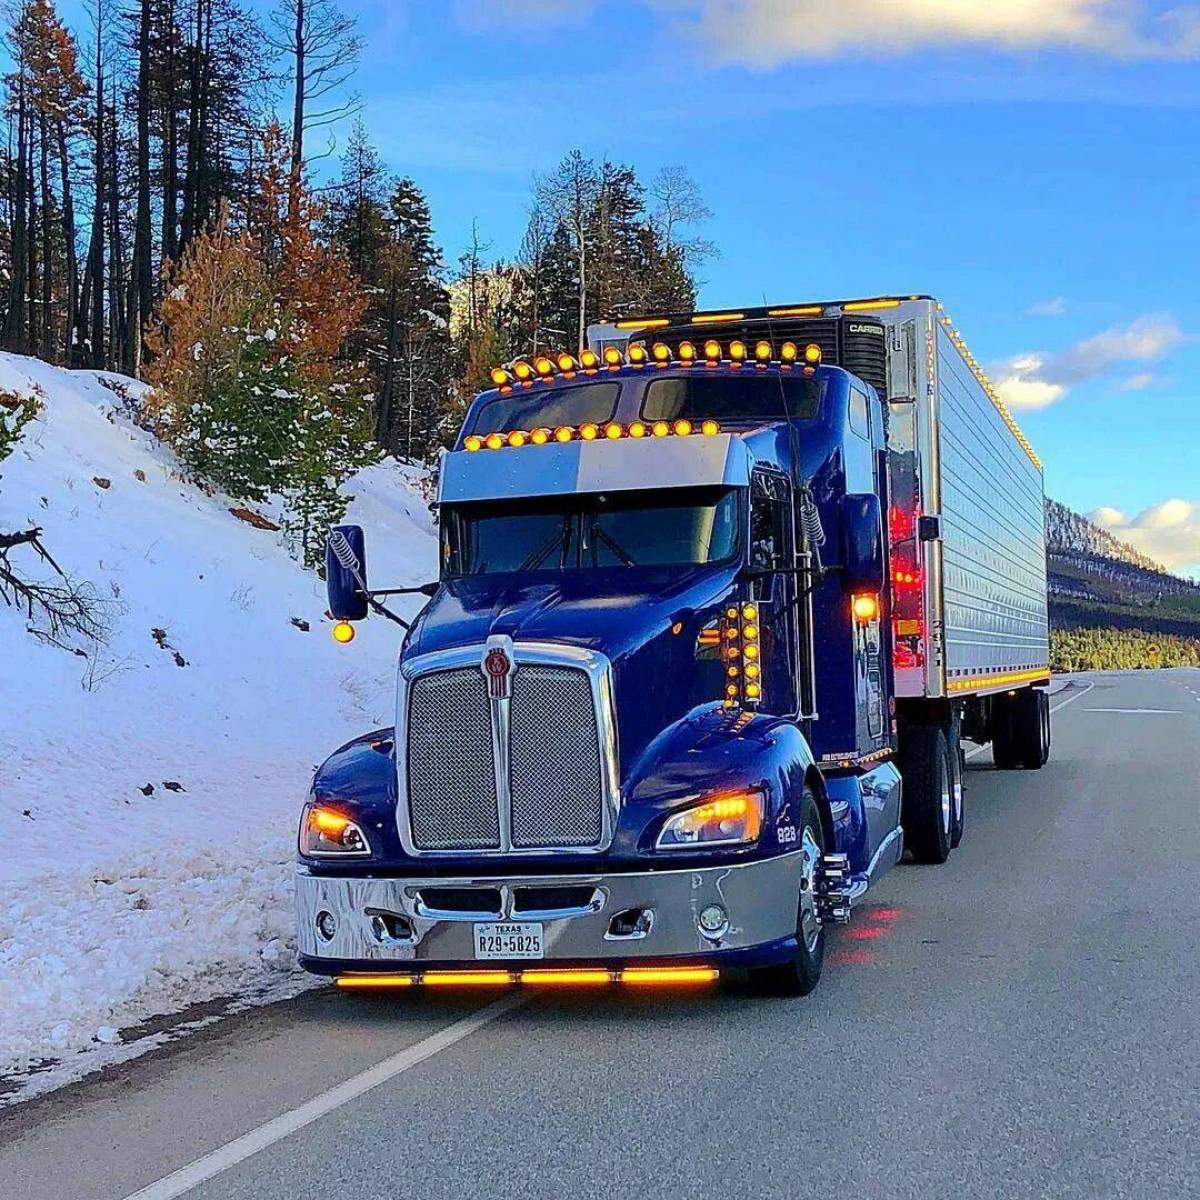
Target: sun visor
[(563, 469)]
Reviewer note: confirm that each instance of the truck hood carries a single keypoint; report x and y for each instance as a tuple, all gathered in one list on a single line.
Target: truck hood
[(611, 611)]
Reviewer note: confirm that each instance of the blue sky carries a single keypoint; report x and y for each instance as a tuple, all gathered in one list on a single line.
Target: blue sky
[(1034, 163)]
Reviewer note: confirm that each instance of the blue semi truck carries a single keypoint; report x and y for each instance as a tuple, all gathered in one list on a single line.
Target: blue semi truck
[(720, 597)]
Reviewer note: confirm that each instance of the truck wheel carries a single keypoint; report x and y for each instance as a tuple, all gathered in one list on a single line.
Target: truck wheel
[(1035, 721), (927, 798), (958, 815), (1006, 751), (801, 973)]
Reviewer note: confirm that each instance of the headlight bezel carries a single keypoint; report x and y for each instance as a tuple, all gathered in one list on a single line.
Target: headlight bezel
[(312, 841), (711, 813)]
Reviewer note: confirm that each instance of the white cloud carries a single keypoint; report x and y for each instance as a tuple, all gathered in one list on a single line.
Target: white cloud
[(1168, 532), (1138, 382), (1036, 380), (768, 32), (1048, 308)]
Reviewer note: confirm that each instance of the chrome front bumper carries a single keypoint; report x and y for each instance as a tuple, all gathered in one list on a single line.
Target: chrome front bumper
[(760, 899)]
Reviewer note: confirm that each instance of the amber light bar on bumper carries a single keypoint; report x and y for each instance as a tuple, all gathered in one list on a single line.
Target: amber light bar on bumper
[(589, 432), (539, 977)]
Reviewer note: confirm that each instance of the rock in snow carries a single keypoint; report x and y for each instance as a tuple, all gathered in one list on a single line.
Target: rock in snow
[(123, 901)]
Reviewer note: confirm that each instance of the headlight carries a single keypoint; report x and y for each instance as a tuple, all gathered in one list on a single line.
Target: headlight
[(326, 831), (731, 820)]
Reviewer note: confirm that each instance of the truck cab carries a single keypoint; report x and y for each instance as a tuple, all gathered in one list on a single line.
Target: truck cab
[(646, 724)]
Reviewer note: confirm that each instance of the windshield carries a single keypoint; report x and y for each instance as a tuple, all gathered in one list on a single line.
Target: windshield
[(725, 397), (684, 527), (540, 406)]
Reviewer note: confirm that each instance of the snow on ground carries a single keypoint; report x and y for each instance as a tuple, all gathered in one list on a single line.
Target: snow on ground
[(149, 794)]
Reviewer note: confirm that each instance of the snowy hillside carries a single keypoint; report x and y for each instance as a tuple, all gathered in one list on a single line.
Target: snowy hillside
[(149, 792)]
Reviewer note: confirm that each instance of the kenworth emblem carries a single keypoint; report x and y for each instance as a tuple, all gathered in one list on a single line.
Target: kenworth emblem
[(497, 666)]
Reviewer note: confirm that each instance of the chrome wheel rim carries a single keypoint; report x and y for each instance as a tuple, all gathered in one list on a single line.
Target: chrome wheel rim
[(810, 862), (947, 802)]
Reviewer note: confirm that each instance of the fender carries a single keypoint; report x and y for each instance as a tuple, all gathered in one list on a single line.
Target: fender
[(715, 750)]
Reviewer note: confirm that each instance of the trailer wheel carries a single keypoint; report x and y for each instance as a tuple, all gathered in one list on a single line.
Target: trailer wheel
[(1021, 730), (801, 973), (928, 795), (1037, 728), (958, 759)]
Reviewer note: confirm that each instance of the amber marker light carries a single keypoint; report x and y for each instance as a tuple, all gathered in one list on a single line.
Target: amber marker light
[(867, 305), (687, 352), (737, 351), (375, 981), (662, 352), (710, 427), (668, 976), (712, 351), (751, 651), (494, 441), (343, 632), (613, 431), (787, 352), (472, 442), (638, 323), (543, 366), (327, 821), (637, 429), (762, 351), (865, 607), (566, 977), (466, 978), (539, 437), (750, 612), (613, 357), (805, 310), (812, 354), (500, 376), (588, 431), (518, 437), (682, 427), (753, 691), (566, 363), (637, 355), (661, 429), (588, 360), (564, 433), (523, 370)]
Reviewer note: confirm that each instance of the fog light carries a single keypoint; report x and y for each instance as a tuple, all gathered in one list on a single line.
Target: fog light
[(326, 926), (714, 921)]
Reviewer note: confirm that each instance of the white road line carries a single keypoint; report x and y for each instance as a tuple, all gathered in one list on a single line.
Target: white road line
[(1053, 708), (288, 1123), (1173, 712)]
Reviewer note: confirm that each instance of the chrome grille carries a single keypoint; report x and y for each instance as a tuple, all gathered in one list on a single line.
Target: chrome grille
[(549, 785), (555, 775), (451, 772)]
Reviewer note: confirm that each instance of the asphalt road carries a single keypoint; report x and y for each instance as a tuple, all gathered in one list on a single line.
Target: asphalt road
[(1021, 1022)]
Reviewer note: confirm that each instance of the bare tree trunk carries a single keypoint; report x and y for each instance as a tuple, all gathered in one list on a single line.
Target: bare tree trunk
[(46, 348), (14, 318), (71, 336), (297, 158), (116, 309), (141, 282), (170, 196), (96, 245), (383, 424)]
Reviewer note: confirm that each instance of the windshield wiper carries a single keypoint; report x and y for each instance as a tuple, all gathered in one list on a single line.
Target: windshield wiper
[(559, 538), (599, 535)]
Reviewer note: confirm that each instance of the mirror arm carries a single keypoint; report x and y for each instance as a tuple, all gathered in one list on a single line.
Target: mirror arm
[(425, 589)]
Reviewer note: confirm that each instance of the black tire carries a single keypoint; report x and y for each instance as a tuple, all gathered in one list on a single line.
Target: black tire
[(927, 796), (1006, 751), (801, 973), (958, 817)]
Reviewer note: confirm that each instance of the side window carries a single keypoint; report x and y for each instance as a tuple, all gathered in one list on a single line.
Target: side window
[(860, 414), (768, 522), (859, 457)]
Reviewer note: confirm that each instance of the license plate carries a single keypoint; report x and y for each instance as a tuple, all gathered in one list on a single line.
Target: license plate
[(514, 939)]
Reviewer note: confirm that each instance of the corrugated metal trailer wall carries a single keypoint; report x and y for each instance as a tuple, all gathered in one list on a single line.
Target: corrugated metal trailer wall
[(993, 534)]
